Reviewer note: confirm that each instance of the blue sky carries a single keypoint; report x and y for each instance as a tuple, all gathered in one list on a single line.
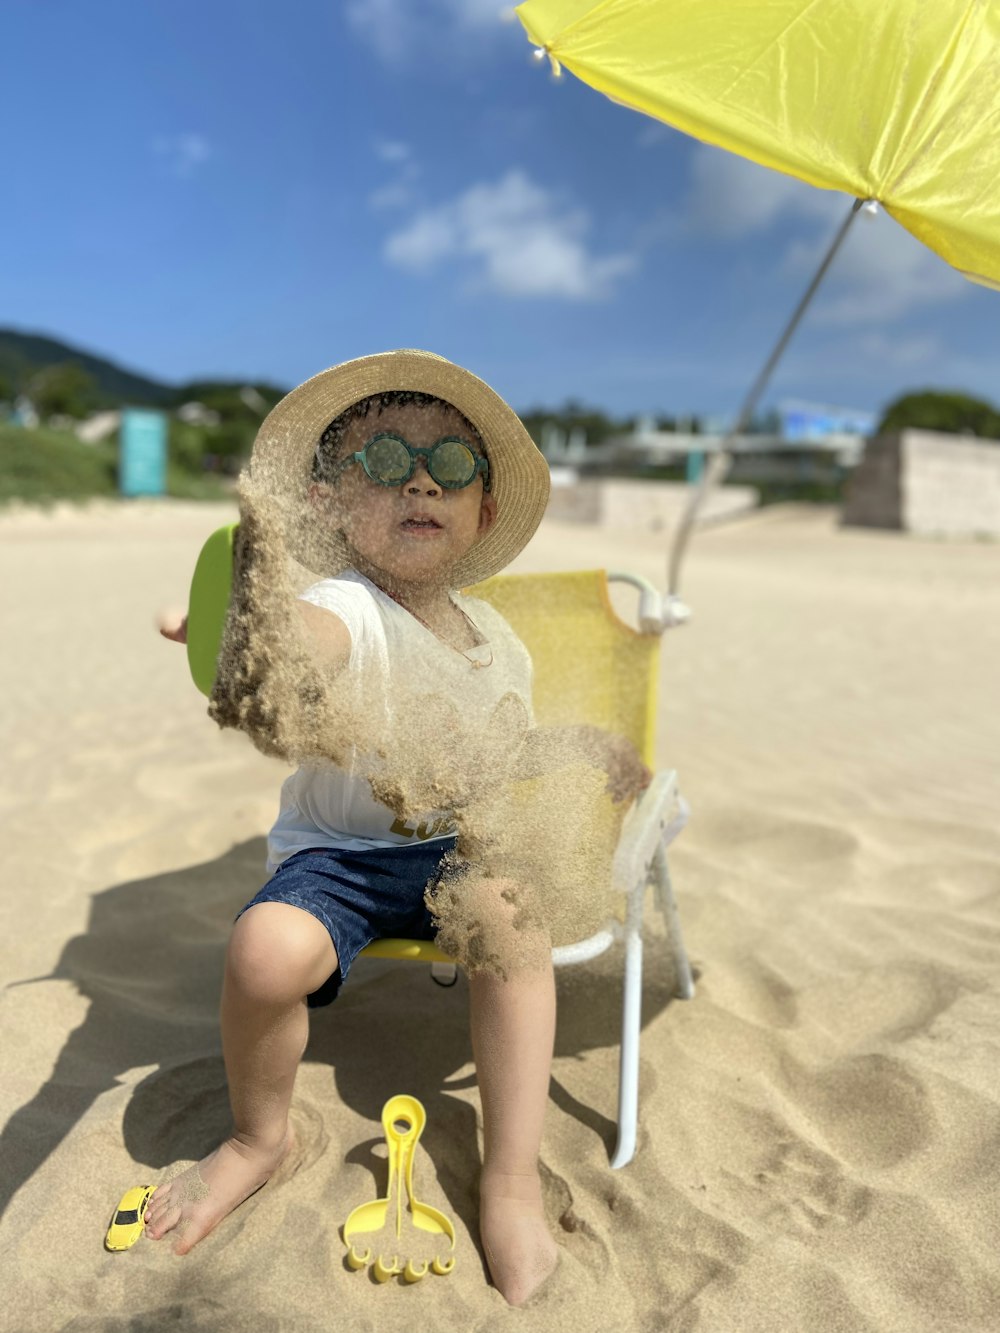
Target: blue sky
[(260, 191)]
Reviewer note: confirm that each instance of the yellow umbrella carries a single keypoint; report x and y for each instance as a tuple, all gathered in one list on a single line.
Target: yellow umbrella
[(892, 100)]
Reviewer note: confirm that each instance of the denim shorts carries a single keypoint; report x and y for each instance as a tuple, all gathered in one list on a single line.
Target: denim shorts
[(359, 897)]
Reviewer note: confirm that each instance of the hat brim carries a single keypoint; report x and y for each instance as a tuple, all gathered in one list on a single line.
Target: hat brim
[(519, 475)]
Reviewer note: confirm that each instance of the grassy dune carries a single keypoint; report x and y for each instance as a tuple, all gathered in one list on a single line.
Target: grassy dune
[(41, 466)]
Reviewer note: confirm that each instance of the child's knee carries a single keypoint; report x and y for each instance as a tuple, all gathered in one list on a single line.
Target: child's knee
[(279, 954), (498, 913)]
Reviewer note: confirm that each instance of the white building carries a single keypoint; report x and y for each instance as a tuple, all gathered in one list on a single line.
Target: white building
[(98, 427)]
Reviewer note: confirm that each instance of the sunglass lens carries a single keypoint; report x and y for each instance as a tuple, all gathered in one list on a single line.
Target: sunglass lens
[(453, 463), (387, 460)]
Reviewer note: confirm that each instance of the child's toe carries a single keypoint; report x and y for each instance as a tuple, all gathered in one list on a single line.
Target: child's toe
[(165, 1219)]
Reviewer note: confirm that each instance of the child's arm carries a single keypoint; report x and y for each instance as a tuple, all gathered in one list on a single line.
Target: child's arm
[(547, 749), (326, 632)]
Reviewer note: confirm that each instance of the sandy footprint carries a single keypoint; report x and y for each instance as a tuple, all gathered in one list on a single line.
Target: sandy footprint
[(871, 1110), (805, 1190), (891, 1001)]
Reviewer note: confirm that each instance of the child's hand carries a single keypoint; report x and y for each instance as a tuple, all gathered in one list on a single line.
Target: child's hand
[(627, 774), (173, 625)]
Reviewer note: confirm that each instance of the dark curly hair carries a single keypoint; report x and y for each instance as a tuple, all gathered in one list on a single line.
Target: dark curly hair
[(328, 449)]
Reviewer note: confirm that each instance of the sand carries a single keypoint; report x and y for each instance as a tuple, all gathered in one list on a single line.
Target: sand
[(819, 1126)]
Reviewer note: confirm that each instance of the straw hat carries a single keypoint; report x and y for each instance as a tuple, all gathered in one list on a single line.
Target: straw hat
[(519, 475)]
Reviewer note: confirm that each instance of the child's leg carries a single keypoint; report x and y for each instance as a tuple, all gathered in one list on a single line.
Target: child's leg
[(513, 1031), (277, 955)]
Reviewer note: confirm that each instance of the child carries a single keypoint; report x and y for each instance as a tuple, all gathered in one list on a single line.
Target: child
[(423, 481)]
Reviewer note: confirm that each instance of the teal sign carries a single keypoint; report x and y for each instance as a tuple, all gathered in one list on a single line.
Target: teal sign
[(695, 466), (142, 452)]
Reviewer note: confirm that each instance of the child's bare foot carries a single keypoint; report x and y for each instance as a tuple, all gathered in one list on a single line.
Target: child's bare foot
[(196, 1201), (519, 1247)]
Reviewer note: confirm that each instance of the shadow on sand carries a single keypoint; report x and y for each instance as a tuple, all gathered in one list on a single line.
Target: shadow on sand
[(150, 963)]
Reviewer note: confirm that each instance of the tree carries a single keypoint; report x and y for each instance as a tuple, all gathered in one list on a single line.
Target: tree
[(245, 403), (62, 390), (595, 424), (953, 413)]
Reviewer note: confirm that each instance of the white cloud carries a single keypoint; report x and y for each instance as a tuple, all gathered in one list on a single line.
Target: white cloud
[(431, 236), (880, 274), (398, 193), (397, 29), (183, 153), (390, 151), (516, 237), (732, 196), (395, 195), (478, 13)]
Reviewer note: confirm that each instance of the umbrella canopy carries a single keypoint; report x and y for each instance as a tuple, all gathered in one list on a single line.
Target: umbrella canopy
[(892, 100)]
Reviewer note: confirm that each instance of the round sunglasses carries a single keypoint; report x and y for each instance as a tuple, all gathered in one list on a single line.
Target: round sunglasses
[(390, 460)]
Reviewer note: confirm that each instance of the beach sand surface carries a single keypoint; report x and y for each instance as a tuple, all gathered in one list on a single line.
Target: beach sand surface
[(819, 1127)]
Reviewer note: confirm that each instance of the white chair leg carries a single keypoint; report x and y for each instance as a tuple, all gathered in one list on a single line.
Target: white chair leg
[(628, 1069), (668, 906), (653, 824)]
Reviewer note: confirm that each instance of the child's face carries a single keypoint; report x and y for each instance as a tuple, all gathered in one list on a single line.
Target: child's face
[(416, 531)]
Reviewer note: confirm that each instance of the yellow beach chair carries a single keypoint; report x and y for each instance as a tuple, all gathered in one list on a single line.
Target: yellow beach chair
[(611, 682)]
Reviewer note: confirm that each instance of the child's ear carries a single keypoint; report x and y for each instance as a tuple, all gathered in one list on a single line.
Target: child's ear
[(324, 502), (487, 513)]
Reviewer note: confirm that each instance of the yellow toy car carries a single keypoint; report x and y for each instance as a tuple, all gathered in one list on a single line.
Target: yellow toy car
[(129, 1219)]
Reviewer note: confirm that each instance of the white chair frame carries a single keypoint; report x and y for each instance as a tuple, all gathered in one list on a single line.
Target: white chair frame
[(640, 861)]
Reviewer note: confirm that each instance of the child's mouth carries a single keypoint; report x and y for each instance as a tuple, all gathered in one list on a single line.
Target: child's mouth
[(420, 525)]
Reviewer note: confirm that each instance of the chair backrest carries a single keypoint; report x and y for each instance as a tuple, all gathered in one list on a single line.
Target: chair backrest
[(208, 602), (589, 666)]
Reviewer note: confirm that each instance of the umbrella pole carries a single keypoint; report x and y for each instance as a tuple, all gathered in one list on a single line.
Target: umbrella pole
[(719, 465)]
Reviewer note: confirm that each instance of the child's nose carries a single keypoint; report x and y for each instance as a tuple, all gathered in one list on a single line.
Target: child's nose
[(421, 483)]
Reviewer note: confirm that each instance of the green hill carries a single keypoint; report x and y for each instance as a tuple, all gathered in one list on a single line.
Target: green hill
[(22, 355), (43, 465)]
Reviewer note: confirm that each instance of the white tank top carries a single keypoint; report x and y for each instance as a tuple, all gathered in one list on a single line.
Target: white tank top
[(334, 807)]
